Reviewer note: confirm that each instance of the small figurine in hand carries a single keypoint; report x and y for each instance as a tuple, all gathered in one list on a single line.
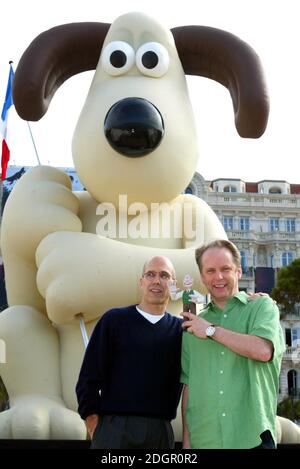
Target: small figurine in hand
[(189, 296)]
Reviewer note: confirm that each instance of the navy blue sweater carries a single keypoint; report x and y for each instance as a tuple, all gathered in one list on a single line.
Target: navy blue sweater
[(134, 364)]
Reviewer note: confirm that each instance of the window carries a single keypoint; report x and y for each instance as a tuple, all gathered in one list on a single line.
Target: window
[(244, 223), (243, 261), (230, 189), (290, 225), (228, 223), (295, 336), (288, 337), (292, 382), (274, 224), (274, 190), (188, 190), (286, 258)]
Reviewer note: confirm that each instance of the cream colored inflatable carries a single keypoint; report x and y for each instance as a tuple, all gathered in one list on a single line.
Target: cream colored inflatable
[(135, 150), (287, 431)]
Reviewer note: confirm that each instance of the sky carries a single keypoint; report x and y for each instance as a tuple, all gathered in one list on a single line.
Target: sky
[(271, 27)]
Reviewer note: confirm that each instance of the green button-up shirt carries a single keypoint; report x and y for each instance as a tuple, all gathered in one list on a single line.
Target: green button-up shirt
[(232, 399)]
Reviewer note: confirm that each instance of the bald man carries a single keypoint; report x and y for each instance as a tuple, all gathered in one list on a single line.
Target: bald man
[(129, 384)]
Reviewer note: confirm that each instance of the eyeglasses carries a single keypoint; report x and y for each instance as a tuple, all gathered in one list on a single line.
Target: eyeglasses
[(165, 276)]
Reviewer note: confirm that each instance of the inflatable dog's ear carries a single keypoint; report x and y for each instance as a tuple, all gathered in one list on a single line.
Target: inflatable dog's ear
[(63, 51), (223, 57), (54, 56)]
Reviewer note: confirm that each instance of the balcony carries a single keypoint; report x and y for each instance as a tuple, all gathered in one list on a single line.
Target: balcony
[(292, 354), (264, 237), (291, 315), (294, 392), (216, 199), (279, 236)]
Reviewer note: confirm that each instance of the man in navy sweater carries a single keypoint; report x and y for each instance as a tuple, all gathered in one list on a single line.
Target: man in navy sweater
[(129, 383)]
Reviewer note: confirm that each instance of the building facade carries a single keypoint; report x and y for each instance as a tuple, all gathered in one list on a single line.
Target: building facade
[(263, 220)]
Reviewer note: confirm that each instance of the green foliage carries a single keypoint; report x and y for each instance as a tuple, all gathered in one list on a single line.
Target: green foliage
[(289, 408), (287, 289)]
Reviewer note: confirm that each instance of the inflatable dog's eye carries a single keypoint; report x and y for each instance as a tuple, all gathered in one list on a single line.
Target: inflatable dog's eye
[(152, 59), (117, 58)]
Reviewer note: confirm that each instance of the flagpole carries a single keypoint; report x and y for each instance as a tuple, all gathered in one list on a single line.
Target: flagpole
[(33, 143), (31, 135)]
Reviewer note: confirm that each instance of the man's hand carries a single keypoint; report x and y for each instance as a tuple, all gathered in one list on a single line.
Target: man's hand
[(91, 423), (253, 296), (195, 325), (173, 290), (247, 345), (193, 298), (197, 298)]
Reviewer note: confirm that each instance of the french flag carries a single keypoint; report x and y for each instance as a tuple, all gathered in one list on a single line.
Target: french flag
[(8, 102)]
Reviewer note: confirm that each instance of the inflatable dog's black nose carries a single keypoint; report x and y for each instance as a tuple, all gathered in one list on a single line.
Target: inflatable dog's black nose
[(134, 127)]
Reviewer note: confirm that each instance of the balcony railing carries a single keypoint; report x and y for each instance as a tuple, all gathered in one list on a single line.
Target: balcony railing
[(291, 315), (294, 392), (264, 236), (253, 200), (293, 354)]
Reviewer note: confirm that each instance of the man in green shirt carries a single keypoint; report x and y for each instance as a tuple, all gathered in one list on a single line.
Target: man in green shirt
[(231, 357)]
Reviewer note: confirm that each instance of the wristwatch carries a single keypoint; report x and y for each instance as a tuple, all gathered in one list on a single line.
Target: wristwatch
[(211, 329)]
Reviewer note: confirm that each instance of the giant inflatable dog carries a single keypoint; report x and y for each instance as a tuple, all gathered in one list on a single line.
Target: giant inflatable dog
[(135, 150)]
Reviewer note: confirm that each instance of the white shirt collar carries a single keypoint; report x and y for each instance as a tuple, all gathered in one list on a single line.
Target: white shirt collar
[(153, 318)]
